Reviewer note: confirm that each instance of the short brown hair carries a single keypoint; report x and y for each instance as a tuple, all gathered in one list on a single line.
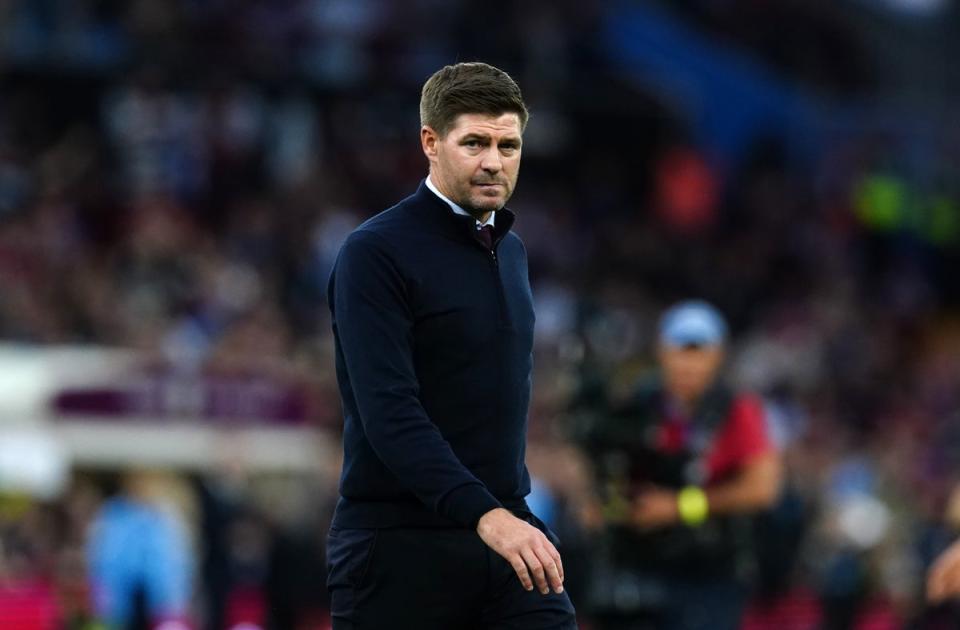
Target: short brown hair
[(469, 88)]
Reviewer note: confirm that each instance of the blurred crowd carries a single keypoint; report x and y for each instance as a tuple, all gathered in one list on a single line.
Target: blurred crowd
[(176, 176)]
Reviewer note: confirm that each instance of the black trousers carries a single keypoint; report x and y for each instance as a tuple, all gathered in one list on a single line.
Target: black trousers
[(432, 579)]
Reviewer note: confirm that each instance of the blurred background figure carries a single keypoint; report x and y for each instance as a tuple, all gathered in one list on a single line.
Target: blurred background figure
[(141, 571), (681, 466), (176, 177), (943, 577)]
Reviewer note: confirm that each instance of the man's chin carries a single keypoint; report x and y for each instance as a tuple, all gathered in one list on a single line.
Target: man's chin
[(488, 204)]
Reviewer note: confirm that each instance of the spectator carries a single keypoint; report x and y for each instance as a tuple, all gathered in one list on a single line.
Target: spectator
[(678, 469)]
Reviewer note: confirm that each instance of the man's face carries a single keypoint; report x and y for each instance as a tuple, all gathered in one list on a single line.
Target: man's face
[(476, 164), (689, 371)]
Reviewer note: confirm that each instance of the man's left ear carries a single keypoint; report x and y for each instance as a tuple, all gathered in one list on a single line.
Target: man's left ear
[(428, 141)]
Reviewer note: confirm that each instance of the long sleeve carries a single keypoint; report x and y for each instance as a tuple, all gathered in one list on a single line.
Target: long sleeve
[(373, 324)]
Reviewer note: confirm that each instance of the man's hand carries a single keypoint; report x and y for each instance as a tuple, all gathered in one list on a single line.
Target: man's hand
[(526, 549), (655, 508), (943, 580)]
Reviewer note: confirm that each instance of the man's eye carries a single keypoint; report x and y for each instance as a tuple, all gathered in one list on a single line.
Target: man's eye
[(472, 143)]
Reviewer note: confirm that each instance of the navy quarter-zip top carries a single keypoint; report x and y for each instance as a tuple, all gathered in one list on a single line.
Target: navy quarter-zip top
[(434, 340)]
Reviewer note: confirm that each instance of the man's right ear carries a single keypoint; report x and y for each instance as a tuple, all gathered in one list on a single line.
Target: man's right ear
[(428, 141)]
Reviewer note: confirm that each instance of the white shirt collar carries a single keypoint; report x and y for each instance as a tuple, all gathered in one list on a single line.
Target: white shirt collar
[(457, 209)]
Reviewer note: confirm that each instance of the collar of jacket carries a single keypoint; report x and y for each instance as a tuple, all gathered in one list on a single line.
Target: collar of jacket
[(436, 210)]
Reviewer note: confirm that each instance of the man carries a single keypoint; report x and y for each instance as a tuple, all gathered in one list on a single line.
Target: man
[(943, 579), (678, 469), (433, 324)]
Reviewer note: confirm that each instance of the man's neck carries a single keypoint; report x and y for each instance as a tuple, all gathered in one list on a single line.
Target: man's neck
[(684, 405)]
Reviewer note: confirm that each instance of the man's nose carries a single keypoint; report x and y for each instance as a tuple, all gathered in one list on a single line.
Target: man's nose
[(491, 161)]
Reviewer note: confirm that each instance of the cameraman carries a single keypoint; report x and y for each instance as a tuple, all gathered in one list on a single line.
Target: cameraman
[(680, 470)]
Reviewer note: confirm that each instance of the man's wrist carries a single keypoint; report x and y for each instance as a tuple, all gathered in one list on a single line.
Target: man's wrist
[(492, 513)]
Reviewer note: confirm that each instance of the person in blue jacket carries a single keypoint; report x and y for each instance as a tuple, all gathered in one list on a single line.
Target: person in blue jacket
[(433, 325), (139, 559)]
